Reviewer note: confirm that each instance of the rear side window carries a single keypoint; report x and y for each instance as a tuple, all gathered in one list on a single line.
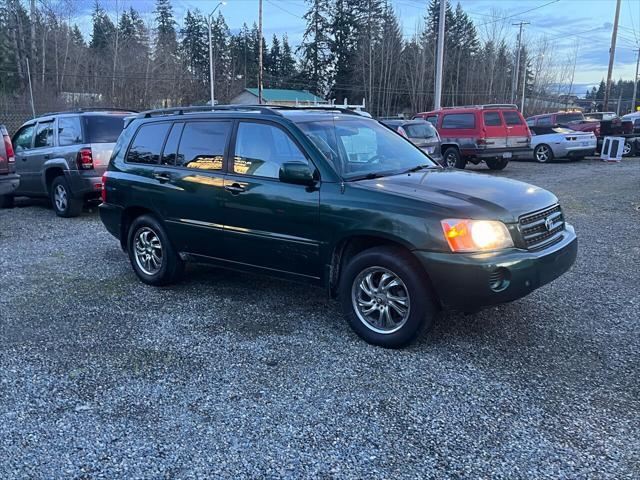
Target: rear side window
[(569, 117), (69, 131), (531, 122), (44, 135), (22, 139), (202, 145), (420, 130), (512, 118), (492, 119), (433, 120), (171, 147), (103, 128), (147, 144), (459, 120), (543, 121)]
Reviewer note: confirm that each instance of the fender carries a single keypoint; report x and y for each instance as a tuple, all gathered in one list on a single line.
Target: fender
[(60, 163)]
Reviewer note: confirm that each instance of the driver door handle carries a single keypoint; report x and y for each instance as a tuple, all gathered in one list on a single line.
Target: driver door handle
[(234, 188), (162, 177)]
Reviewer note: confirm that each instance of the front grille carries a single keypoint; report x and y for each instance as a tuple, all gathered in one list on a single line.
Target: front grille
[(542, 228)]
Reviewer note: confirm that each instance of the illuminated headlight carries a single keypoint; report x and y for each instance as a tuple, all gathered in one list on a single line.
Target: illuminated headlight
[(476, 235)]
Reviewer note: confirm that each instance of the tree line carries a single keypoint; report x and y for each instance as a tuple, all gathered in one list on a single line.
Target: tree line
[(351, 49)]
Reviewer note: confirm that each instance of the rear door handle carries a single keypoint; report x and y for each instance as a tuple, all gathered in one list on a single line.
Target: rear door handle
[(162, 177), (234, 188)]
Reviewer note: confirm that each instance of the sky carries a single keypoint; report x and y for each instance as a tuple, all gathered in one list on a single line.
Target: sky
[(587, 23)]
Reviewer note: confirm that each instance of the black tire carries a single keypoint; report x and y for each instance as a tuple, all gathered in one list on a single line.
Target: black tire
[(543, 153), (421, 305), (496, 163), (63, 202), (630, 148), (452, 159), (6, 201), (171, 265)]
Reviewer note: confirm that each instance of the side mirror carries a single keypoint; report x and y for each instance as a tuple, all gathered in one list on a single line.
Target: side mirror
[(297, 173)]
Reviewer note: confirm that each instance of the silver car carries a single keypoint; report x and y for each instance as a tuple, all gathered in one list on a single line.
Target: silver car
[(421, 133), (549, 143)]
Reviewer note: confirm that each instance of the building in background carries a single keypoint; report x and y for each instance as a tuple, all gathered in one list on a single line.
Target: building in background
[(277, 96)]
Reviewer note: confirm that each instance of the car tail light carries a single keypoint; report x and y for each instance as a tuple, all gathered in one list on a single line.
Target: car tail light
[(571, 139), (85, 159), (103, 193), (481, 141), (9, 149)]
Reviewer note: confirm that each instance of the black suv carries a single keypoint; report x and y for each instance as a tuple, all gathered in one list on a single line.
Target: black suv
[(328, 197), (63, 155)]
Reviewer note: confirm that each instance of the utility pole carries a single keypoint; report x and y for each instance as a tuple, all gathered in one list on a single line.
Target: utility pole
[(440, 56), (212, 72), (516, 71), (635, 84), (260, 52), (612, 54), (524, 87), (33, 108)]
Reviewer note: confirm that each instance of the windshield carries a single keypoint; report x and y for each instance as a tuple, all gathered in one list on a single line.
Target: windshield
[(420, 130), (359, 148), (103, 128)]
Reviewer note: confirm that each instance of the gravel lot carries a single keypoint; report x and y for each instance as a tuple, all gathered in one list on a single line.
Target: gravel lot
[(242, 376)]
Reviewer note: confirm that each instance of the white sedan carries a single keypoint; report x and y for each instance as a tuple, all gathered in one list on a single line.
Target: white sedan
[(549, 143)]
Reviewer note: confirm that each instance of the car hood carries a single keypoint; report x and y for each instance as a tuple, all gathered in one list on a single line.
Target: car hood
[(465, 194)]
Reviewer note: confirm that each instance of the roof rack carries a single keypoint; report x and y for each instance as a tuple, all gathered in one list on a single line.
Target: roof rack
[(92, 109), (265, 110), (326, 108), (488, 105)]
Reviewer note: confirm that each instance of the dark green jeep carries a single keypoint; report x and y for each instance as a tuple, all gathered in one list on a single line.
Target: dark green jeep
[(329, 197)]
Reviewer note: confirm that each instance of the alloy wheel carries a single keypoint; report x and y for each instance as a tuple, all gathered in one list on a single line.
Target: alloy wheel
[(148, 251), (626, 149), (451, 160), (542, 154), (381, 300), (60, 196)]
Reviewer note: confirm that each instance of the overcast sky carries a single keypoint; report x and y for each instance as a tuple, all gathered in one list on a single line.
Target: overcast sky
[(565, 21)]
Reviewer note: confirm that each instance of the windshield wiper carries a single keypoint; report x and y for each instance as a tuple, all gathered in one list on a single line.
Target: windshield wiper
[(368, 176), (420, 167)]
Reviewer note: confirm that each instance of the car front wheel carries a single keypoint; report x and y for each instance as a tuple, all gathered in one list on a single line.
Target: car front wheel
[(152, 256), (497, 163), (385, 297)]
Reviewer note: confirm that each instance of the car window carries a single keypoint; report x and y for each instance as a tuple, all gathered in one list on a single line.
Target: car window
[(459, 120), (492, 119), (69, 131), (433, 120), (261, 149), (569, 117), (531, 122), (511, 117), (171, 146), (202, 145), (420, 130), (22, 139), (542, 121), (44, 135), (103, 128), (147, 144)]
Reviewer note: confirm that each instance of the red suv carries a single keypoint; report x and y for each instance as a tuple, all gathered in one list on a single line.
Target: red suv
[(493, 133)]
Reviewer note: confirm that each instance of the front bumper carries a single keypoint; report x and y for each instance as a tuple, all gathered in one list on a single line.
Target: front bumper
[(464, 281), (8, 183)]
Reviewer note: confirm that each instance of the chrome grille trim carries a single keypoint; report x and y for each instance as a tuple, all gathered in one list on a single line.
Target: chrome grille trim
[(534, 231)]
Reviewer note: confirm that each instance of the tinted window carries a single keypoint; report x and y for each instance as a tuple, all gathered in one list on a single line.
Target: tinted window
[(433, 120), (69, 131), (171, 147), (420, 130), (261, 149), (543, 121), (511, 118), (531, 121), (103, 128), (22, 140), (459, 120), (147, 144), (492, 119), (44, 135), (569, 117), (202, 145)]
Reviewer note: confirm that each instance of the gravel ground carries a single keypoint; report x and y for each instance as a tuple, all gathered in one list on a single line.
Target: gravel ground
[(242, 376)]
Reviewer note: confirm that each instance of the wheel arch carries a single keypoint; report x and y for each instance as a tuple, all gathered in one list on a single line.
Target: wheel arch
[(50, 174), (129, 214)]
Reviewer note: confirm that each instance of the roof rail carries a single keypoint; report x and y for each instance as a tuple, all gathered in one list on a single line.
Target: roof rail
[(326, 108), (92, 109), (265, 110), (488, 105)]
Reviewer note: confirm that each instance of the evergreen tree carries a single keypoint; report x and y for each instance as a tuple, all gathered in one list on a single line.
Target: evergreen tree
[(103, 29), (166, 41), (273, 63), (315, 47), (343, 48)]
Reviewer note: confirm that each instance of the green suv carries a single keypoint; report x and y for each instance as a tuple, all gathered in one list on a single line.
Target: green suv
[(329, 197)]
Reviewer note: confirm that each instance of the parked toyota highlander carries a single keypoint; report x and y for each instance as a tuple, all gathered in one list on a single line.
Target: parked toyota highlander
[(63, 155), (330, 198)]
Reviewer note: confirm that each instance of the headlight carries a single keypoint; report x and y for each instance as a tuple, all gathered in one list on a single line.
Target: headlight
[(476, 235)]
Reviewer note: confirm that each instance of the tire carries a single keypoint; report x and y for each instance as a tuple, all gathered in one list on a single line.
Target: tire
[(452, 159), (6, 201), (543, 153), (496, 163), (164, 265), (628, 149), (411, 283), (62, 200)]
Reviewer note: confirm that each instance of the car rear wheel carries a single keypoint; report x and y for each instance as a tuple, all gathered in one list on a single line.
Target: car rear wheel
[(6, 201), (453, 159), (497, 163), (543, 154), (152, 256), (64, 204), (627, 150), (385, 297)]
